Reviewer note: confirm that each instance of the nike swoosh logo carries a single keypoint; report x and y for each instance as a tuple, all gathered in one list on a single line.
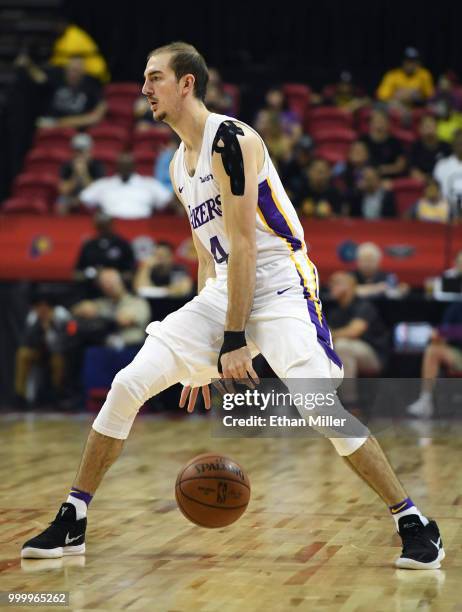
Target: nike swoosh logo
[(63, 511), (283, 291), (399, 509), (68, 540), (180, 189), (436, 544)]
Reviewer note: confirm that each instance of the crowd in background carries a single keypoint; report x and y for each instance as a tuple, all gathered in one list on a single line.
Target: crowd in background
[(339, 153), (411, 128)]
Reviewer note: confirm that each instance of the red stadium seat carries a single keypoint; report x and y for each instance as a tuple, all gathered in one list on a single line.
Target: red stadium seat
[(144, 161), (407, 191), (325, 117), (298, 98), (333, 153), (120, 112), (46, 160), (123, 89), (335, 135), (54, 137), (110, 135), (36, 185), (152, 139), (333, 144), (24, 205), (362, 118)]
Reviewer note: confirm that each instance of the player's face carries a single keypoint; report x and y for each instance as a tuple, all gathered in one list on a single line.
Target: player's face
[(161, 87)]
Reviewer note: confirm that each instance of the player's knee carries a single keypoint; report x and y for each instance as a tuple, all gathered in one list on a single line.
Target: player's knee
[(130, 383)]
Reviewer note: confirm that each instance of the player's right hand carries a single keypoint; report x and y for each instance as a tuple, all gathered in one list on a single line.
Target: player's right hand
[(193, 393)]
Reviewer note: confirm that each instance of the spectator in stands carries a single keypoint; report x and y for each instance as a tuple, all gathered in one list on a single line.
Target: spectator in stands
[(360, 337), (444, 351), (454, 273), (372, 201), (77, 173), (432, 207), (385, 151), (448, 94), (276, 106), (427, 150), (43, 345), (371, 280), (318, 197), (74, 98), (106, 250), (161, 272), (409, 85), (293, 171), (449, 121), (345, 94), (349, 172), (216, 99), (162, 163), (126, 313), (279, 143), (72, 41), (126, 195), (448, 173)]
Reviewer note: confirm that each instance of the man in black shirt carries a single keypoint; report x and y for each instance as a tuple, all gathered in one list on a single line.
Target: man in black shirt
[(107, 250), (317, 196), (77, 173), (371, 280), (74, 99), (372, 201), (427, 150), (359, 335), (385, 151), (161, 273)]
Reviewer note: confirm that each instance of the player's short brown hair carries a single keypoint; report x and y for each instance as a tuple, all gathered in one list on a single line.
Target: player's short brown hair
[(186, 59)]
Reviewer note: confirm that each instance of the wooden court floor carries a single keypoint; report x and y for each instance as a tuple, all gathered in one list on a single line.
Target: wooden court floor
[(313, 538)]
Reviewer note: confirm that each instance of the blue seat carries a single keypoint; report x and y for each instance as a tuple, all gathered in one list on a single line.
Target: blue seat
[(102, 363)]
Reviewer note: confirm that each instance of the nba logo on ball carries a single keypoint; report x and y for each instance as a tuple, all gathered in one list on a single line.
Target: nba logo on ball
[(212, 491)]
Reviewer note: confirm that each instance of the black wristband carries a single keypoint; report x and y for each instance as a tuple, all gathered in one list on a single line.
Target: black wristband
[(232, 341)]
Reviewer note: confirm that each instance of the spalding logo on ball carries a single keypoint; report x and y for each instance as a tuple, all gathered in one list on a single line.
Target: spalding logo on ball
[(212, 490)]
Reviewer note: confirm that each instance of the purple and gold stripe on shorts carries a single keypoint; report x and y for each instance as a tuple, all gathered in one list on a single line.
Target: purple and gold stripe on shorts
[(272, 215)]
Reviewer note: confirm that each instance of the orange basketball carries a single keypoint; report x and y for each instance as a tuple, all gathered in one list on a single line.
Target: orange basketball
[(212, 490)]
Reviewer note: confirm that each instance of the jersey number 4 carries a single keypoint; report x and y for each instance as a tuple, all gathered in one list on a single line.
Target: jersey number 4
[(218, 252)]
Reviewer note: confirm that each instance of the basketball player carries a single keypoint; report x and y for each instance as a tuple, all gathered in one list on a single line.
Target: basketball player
[(258, 292)]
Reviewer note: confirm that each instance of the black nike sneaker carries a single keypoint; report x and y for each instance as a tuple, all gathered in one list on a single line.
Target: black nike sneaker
[(64, 536), (422, 546)]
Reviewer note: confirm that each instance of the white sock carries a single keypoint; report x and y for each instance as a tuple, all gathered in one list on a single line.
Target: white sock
[(80, 506), (411, 510), (426, 396)]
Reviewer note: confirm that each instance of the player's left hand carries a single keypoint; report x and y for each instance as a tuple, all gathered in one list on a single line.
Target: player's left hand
[(237, 365), (193, 393)]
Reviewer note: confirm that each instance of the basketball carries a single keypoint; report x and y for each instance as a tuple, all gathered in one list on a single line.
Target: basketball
[(212, 490)]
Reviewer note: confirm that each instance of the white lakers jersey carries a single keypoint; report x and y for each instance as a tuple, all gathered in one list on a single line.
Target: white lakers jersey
[(278, 230), (279, 233)]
